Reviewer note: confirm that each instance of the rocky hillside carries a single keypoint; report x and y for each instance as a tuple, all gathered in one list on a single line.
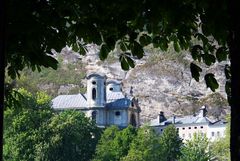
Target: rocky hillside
[(161, 81)]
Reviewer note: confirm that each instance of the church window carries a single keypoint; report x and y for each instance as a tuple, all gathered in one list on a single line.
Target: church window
[(117, 113), (94, 93), (93, 82)]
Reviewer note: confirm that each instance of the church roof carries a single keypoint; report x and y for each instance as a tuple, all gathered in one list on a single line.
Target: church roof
[(115, 100), (78, 101)]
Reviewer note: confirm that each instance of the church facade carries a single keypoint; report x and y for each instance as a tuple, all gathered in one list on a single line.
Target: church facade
[(104, 103)]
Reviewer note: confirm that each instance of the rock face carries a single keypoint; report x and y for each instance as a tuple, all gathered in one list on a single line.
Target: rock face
[(162, 82)]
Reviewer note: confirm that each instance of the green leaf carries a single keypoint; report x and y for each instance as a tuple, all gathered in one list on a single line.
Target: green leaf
[(145, 40), (221, 54), (124, 64), (51, 62), (130, 62), (156, 41), (196, 52), (75, 47), (195, 71), (163, 44), (211, 82), (123, 46), (227, 71), (208, 59), (176, 46), (103, 52), (137, 50), (82, 50)]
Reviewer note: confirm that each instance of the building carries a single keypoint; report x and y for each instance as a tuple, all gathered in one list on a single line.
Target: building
[(104, 102), (188, 125)]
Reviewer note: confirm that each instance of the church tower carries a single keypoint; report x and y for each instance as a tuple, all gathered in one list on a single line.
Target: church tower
[(96, 98), (96, 90)]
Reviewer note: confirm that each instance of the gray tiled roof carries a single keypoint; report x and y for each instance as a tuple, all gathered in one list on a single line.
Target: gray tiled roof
[(122, 103), (79, 101), (113, 96), (182, 120), (116, 100), (69, 101)]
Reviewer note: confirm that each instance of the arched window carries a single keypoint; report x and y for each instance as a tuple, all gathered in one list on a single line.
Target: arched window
[(94, 115), (94, 93), (117, 113), (133, 120)]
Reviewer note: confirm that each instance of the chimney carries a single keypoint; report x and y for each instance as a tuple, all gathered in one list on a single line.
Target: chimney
[(161, 117), (174, 119), (203, 111)]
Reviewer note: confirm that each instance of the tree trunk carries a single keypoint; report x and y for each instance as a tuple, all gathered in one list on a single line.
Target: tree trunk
[(2, 49), (234, 46)]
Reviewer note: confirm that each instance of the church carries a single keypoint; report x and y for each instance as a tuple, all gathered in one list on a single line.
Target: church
[(104, 103)]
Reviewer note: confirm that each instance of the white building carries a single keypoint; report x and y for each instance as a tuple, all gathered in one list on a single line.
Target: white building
[(188, 125), (103, 102)]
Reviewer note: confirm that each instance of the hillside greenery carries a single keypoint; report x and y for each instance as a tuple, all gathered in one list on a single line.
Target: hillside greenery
[(49, 80)]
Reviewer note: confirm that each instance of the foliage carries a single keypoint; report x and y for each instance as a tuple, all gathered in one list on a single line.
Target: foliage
[(221, 147), (68, 136), (114, 144), (145, 146), (134, 26), (51, 80), (34, 132), (170, 144), (196, 149)]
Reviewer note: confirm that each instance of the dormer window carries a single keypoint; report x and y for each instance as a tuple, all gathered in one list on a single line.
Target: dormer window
[(94, 93), (111, 89)]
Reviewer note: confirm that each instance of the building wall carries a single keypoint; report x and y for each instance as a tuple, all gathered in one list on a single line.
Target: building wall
[(186, 132), (215, 132), (118, 117)]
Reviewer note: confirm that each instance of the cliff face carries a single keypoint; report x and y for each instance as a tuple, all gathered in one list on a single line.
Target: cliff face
[(161, 81)]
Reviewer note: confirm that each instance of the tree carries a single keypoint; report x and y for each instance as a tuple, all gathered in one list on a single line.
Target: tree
[(35, 132), (104, 150), (32, 32), (221, 147), (196, 149), (145, 146), (21, 125), (114, 144), (170, 144), (67, 136)]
